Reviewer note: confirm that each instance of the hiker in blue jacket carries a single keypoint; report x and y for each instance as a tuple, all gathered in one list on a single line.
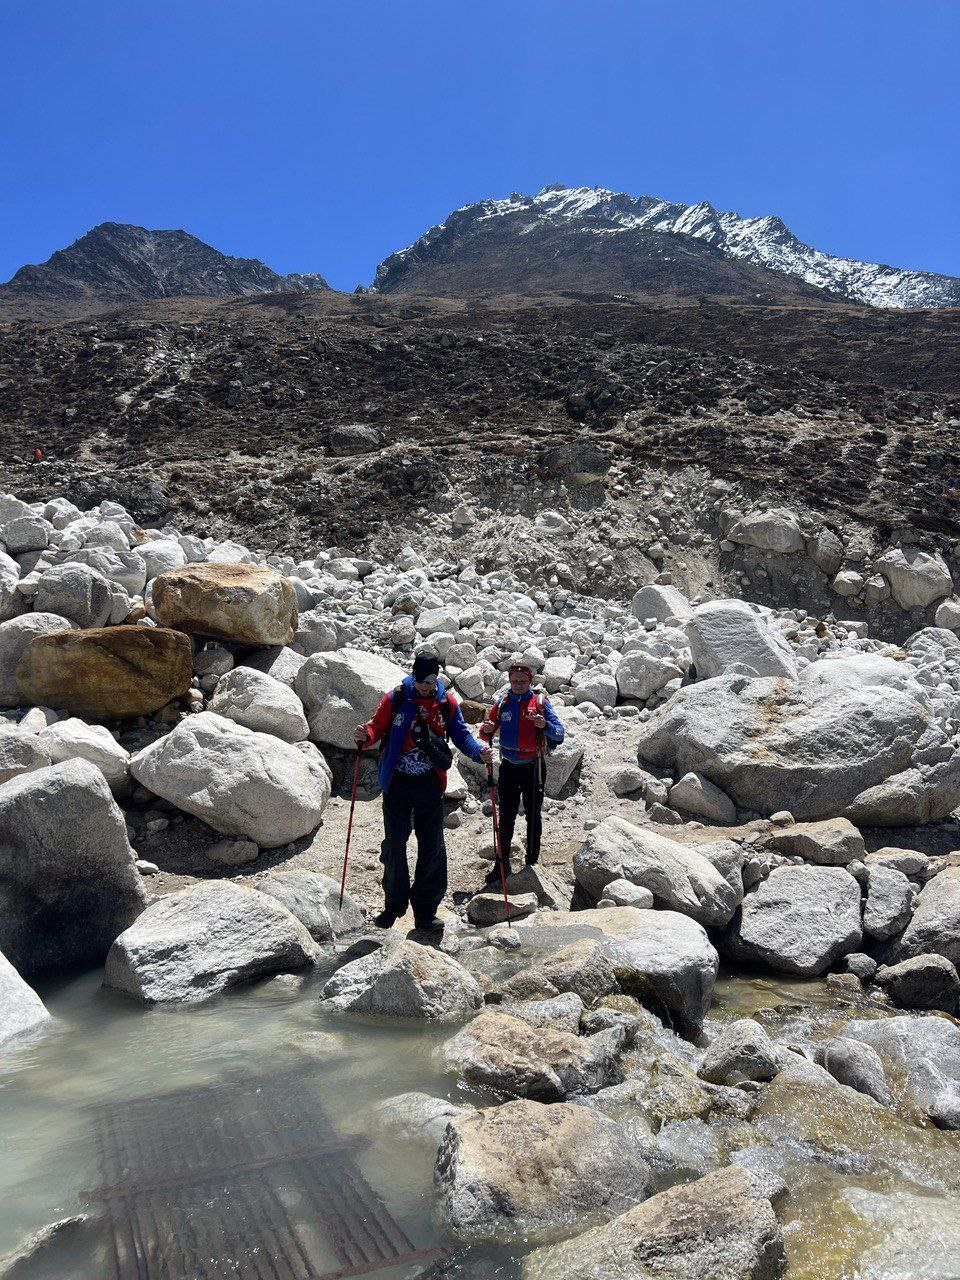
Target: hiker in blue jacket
[(413, 722), (526, 722)]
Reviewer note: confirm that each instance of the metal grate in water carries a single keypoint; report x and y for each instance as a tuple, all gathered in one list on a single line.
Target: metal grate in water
[(243, 1181)]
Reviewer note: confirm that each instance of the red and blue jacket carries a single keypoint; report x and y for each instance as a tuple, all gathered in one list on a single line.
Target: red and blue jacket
[(395, 727), (520, 739)]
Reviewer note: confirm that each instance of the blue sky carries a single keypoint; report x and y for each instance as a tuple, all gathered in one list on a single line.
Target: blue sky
[(322, 136)]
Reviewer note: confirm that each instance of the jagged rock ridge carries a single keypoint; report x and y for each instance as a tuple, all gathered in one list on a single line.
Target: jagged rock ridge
[(117, 262), (593, 221)]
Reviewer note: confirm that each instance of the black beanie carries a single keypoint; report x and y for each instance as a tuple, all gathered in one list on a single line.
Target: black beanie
[(425, 664)]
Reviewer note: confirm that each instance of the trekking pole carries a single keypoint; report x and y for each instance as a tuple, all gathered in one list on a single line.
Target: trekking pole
[(496, 837), (353, 801)]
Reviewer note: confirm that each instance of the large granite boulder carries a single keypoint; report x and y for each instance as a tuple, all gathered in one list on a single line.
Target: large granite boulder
[(856, 670), (354, 437), (889, 903), (279, 661), (854, 1064), (923, 793), (127, 569), (921, 1058), (815, 750), (315, 900), (641, 674), (917, 578), (68, 877), (677, 875), (21, 1009), (935, 924), (194, 944), (921, 982), (341, 690), (719, 1227), (243, 603), (500, 1052), (260, 702), (107, 673), (404, 980), (799, 920), (723, 633), (240, 782), (697, 795), (776, 530), (526, 1168), (563, 759), (659, 956), (15, 636)]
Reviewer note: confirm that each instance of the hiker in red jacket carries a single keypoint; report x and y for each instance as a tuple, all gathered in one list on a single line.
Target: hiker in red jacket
[(413, 722), (526, 722)]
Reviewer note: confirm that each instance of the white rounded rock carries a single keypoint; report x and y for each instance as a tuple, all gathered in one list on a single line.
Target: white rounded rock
[(74, 739), (240, 782), (258, 701)]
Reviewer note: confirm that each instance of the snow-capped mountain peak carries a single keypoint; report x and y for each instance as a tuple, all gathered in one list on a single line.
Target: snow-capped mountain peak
[(765, 241)]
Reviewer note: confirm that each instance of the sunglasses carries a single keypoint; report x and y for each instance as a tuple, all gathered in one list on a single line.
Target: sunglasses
[(430, 680)]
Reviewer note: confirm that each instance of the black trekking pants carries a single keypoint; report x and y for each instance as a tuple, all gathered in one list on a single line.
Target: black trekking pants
[(521, 782), (414, 803)]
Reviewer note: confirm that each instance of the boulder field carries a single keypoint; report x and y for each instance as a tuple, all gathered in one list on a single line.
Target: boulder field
[(741, 789)]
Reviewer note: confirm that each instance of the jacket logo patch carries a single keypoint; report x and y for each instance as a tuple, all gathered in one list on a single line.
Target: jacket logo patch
[(506, 715), (398, 718)]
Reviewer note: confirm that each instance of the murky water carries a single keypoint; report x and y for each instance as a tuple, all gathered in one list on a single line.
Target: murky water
[(867, 1223)]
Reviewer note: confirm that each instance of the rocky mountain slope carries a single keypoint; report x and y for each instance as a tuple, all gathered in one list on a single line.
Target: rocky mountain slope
[(593, 240), (118, 263), (374, 421)]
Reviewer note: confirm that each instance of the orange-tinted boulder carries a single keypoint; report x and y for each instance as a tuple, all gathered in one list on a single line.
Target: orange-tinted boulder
[(244, 603), (107, 673)]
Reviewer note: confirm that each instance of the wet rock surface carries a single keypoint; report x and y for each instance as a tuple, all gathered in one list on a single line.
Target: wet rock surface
[(525, 1168), (21, 1009), (500, 1052), (720, 1225), (404, 980)]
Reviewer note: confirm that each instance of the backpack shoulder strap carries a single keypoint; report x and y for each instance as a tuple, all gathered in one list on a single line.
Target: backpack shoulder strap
[(398, 697)]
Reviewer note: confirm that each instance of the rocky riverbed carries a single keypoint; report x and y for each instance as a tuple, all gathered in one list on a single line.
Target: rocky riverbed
[(716, 1035)]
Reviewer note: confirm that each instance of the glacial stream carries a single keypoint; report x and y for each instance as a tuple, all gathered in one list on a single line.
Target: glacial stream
[(886, 1215)]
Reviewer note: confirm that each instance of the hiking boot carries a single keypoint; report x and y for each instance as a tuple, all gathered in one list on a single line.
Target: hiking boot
[(531, 860), (433, 924), (386, 919), (493, 876)]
